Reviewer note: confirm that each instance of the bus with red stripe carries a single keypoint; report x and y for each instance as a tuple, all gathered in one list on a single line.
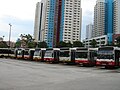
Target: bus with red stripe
[(52, 55), (85, 56), (39, 54), (67, 56), (108, 56)]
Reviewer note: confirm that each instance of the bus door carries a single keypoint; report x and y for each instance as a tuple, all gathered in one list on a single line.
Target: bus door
[(117, 57), (31, 53), (42, 55), (23, 53), (72, 56), (92, 55), (56, 55)]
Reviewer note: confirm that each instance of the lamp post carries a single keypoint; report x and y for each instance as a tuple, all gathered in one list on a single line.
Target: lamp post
[(10, 34)]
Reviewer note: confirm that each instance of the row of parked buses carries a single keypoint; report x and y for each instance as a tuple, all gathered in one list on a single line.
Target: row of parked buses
[(6, 52), (107, 56)]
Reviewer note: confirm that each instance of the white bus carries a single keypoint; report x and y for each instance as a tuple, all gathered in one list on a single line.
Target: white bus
[(108, 56), (52, 55), (67, 55), (86, 56)]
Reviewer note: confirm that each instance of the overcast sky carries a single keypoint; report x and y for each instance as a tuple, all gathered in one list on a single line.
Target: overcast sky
[(21, 14)]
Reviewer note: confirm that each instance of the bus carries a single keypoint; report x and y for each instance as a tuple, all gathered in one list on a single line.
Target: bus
[(19, 53), (39, 54), (31, 54), (108, 56), (67, 56), (6, 52), (12, 53), (52, 55), (26, 55), (86, 56)]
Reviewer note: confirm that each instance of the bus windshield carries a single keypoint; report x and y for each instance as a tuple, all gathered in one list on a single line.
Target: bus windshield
[(26, 53), (36, 53), (108, 54), (49, 54), (19, 52), (64, 54), (81, 55)]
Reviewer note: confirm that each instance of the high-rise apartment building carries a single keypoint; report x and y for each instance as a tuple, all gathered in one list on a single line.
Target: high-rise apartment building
[(103, 19), (39, 25), (99, 18), (106, 20), (53, 19), (109, 20), (61, 22), (116, 17), (37, 22), (89, 30), (47, 22), (70, 29)]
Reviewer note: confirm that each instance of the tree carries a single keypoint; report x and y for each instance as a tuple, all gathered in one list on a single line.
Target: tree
[(68, 44), (27, 41), (31, 44), (3, 44), (61, 44), (18, 44), (93, 43), (42, 45), (78, 44)]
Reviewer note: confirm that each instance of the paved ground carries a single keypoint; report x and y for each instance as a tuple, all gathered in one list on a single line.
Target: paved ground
[(25, 75)]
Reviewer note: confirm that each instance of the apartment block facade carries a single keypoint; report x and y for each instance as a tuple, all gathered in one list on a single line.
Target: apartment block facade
[(106, 20), (116, 17), (99, 18), (70, 29), (103, 19), (37, 22), (60, 21), (40, 19)]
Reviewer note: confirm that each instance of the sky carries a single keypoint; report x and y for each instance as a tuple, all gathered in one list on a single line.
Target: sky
[(21, 14)]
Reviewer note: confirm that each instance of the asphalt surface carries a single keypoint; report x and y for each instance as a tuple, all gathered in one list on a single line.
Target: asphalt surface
[(26, 75)]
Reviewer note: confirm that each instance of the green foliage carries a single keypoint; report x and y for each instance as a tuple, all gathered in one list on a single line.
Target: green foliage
[(27, 41), (18, 44), (3, 44), (31, 44), (78, 44), (75, 44), (93, 43), (42, 45), (64, 44), (68, 44), (61, 44)]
